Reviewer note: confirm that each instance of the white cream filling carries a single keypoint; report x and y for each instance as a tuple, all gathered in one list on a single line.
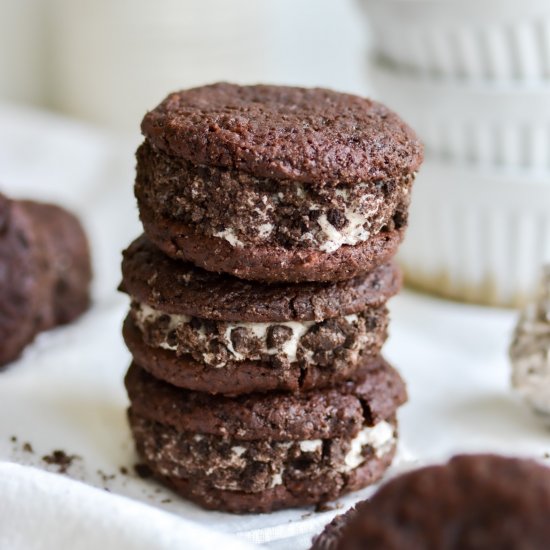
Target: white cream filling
[(229, 235), (238, 450), (265, 230), (277, 479), (328, 237), (380, 437), (357, 228), (146, 314), (310, 445)]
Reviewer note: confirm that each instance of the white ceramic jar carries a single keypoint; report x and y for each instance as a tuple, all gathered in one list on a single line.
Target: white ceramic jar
[(477, 235), (472, 77), (504, 125), (469, 39)]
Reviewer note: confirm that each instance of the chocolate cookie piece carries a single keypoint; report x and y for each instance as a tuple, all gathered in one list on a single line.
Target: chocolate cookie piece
[(258, 453), (176, 287), (473, 502), (68, 255), (24, 280), (274, 183), (306, 135), (44, 272)]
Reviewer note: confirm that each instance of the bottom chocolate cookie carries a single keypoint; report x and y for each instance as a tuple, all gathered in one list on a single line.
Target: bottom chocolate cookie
[(273, 263), (258, 453)]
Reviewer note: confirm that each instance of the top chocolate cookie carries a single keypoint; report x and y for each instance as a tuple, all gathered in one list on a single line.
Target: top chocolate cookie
[(306, 135)]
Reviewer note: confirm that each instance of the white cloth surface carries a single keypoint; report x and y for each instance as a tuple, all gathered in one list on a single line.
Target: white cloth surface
[(59, 513), (66, 391)]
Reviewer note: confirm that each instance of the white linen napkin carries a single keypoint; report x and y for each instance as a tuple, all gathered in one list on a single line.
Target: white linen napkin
[(42, 511)]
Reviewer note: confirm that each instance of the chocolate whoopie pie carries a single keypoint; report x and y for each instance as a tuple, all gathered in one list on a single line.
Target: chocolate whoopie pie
[(219, 334), (474, 502), (276, 183), (45, 272), (262, 452)]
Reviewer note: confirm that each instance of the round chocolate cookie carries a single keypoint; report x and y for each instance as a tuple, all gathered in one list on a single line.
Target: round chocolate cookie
[(474, 502), (44, 272), (307, 135), (275, 183), (178, 287), (24, 280), (262, 452), (330, 537), (68, 257), (215, 333)]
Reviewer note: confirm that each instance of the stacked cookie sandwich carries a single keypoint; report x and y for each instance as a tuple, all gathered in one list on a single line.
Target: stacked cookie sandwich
[(271, 217)]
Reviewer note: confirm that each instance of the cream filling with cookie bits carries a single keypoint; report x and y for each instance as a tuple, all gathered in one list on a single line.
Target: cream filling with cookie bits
[(326, 237), (146, 314), (380, 438)]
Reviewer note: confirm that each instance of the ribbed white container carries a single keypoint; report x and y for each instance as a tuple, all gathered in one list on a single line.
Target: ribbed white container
[(502, 125), (477, 236), (478, 39)]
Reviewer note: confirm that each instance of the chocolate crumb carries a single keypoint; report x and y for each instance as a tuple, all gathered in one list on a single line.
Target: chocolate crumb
[(143, 471), (166, 501), (105, 477), (278, 335), (325, 507), (123, 470), (60, 459), (27, 447), (13, 439), (337, 218)]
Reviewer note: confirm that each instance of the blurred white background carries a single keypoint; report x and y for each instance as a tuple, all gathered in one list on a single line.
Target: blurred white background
[(108, 61), (472, 77)]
